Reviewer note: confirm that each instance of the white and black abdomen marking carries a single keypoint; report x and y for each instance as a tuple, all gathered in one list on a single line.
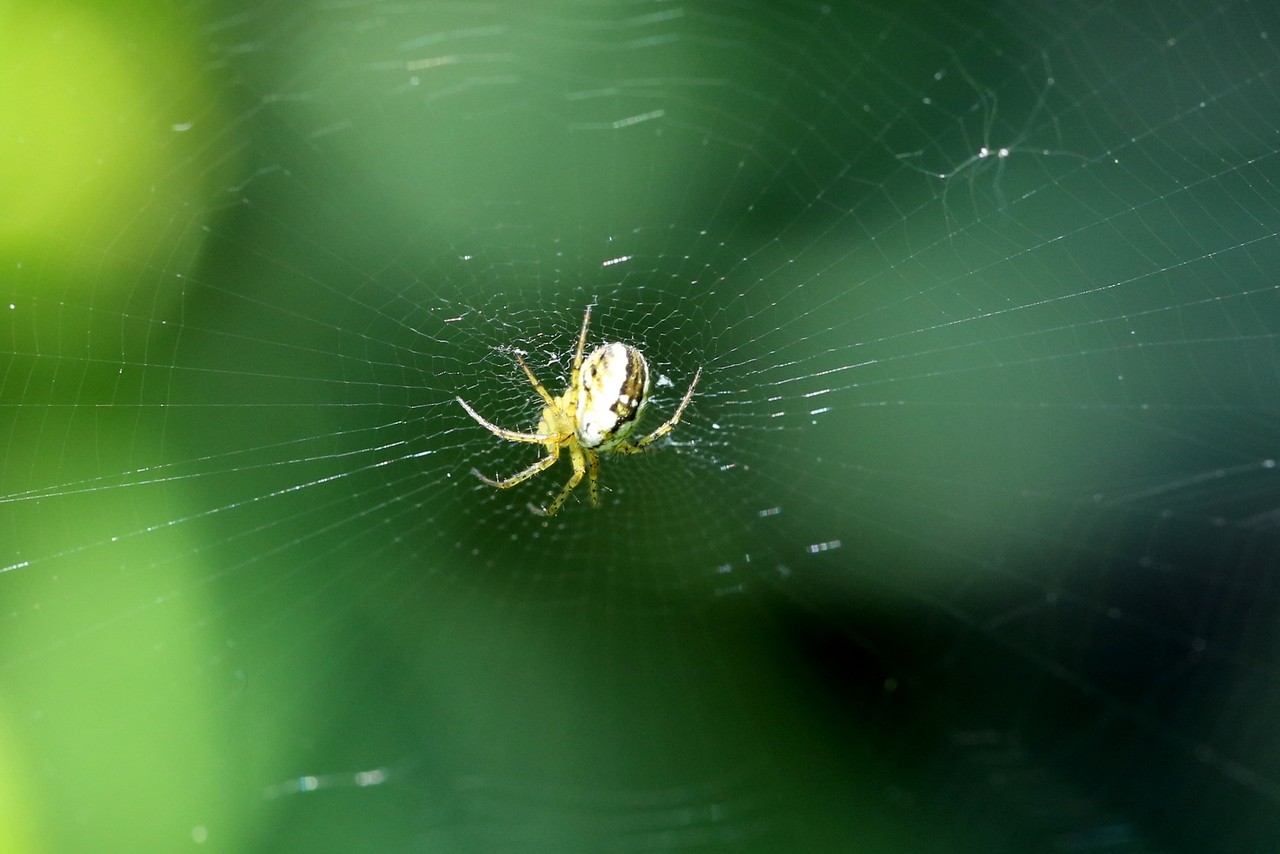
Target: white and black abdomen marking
[(614, 390)]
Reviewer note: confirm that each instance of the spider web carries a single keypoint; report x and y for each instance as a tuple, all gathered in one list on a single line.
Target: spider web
[(965, 541)]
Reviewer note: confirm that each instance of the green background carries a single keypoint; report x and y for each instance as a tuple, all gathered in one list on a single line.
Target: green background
[(965, 543)]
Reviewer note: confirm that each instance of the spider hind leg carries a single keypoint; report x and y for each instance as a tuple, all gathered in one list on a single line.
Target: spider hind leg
[(647, 442)]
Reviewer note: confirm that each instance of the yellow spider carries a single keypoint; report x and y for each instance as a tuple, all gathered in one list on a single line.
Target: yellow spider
[(606, 396)]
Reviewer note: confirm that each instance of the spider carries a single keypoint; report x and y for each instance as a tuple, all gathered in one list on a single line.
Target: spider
[(607, 394)]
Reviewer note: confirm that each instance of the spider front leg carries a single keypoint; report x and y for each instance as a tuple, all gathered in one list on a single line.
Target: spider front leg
[(553, 454), (579, 469), (501, 432)]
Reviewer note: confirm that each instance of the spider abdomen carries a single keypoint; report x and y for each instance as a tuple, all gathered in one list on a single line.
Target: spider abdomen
[(614, 388)]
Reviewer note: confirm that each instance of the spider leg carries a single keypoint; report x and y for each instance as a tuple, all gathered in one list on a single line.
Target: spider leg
[(643, 444), (576, 373), (579, 468), (501, 432), (582, 340), (593, 475), (541, 389), (553, 454)]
